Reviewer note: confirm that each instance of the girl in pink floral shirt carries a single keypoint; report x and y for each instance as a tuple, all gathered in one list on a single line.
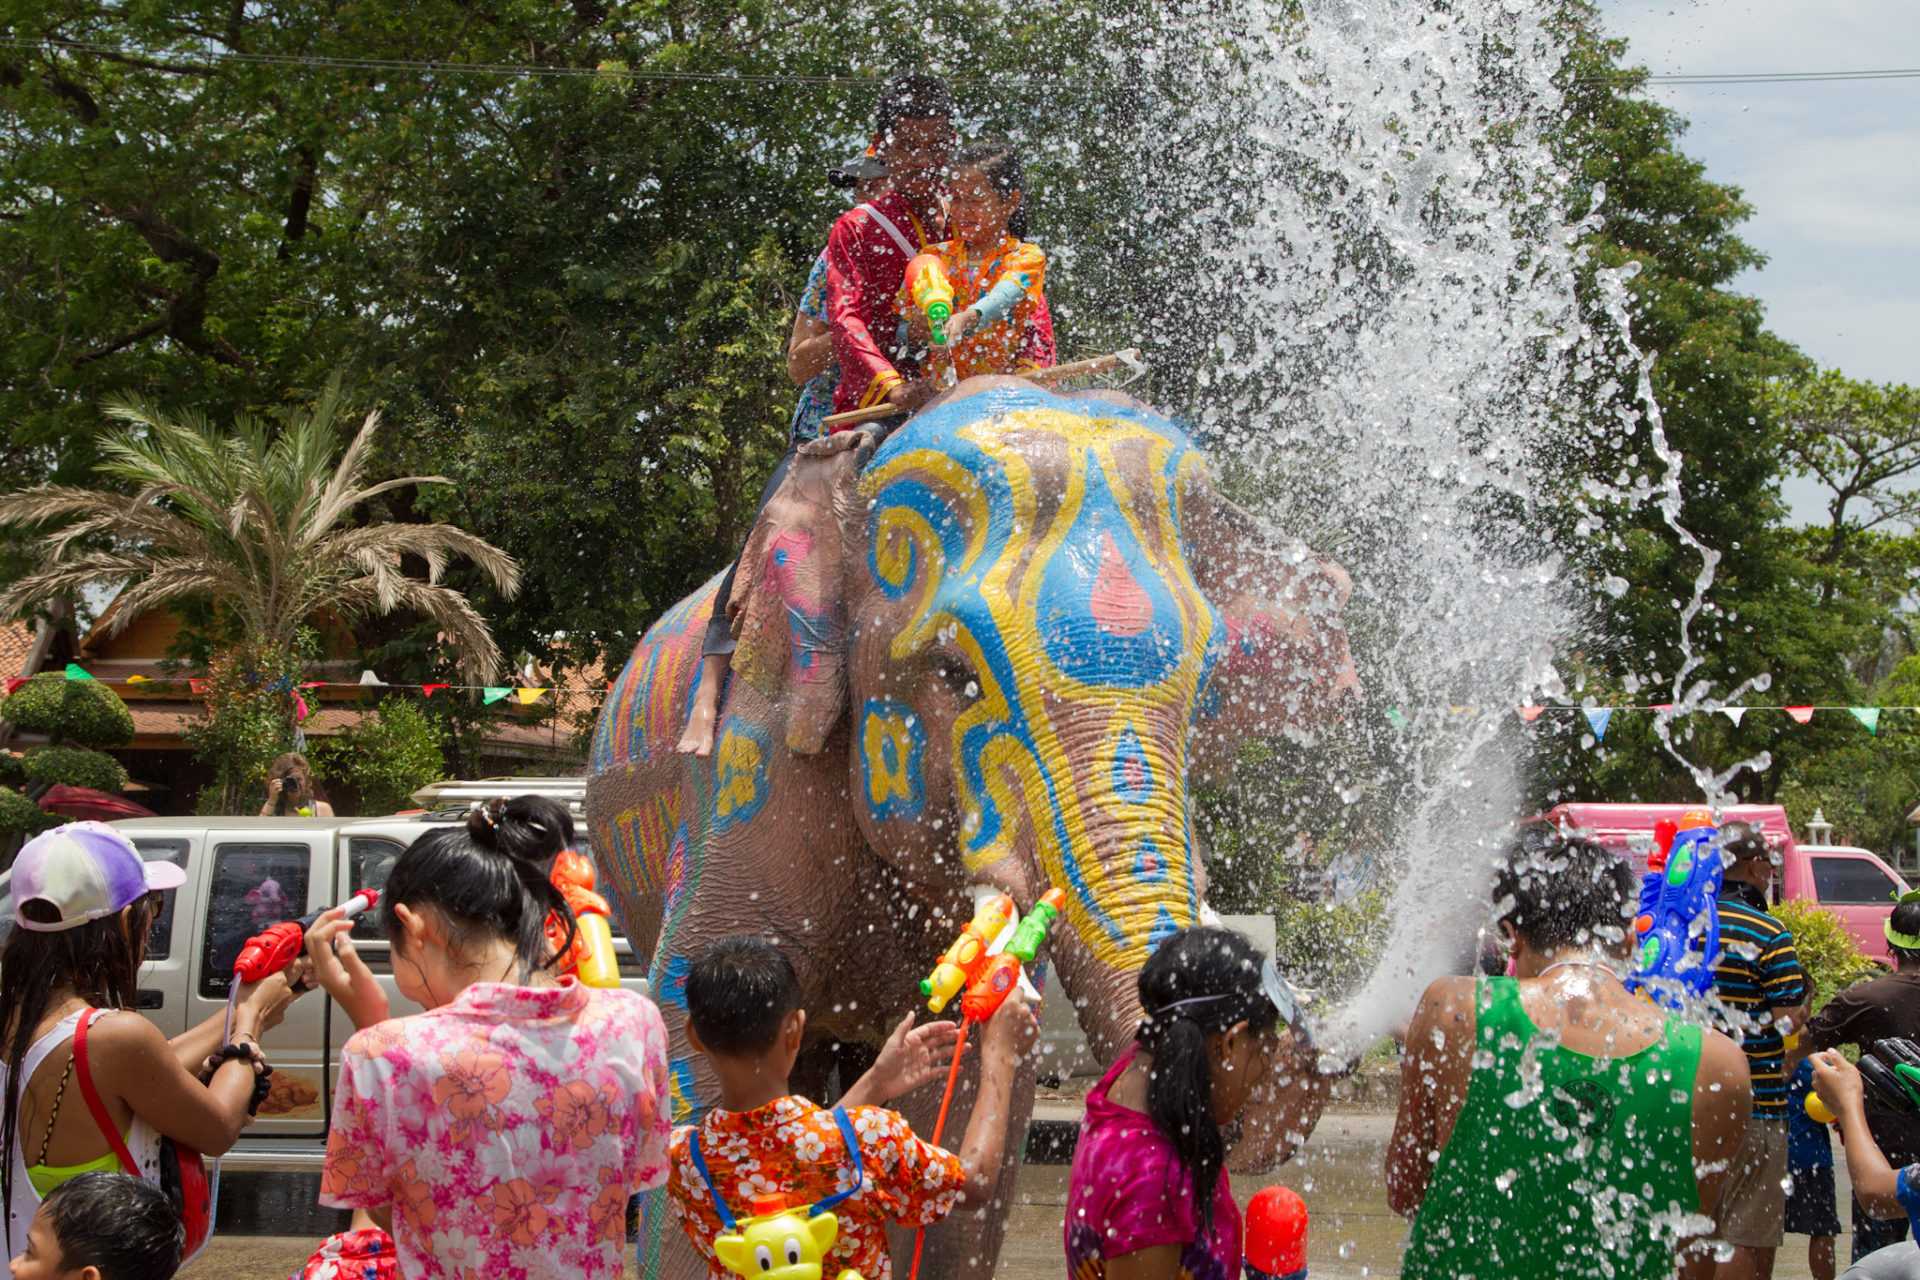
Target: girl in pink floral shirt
[(501, 1133)]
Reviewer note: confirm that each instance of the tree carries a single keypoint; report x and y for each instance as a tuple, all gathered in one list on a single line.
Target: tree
[(77, 717), (1861, 440), (386, 757)]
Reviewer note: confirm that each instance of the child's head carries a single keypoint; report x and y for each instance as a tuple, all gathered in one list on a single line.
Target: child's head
[(913, 134), (1558, 892), (989, 190), (1212, 1025), (743, 1006), (102, 1226), (460, 891)]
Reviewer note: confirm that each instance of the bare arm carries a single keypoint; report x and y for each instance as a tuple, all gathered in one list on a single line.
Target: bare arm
[(1875, 1182), (1007, 1037), (910, 1057), (1722, 1098), (809, 349), (135, 1065), (1434, 1071)]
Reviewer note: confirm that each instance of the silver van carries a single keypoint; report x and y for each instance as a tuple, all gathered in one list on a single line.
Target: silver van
[(242, 875)]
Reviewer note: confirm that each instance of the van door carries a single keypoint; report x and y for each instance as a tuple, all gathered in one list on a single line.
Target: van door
[(254, 879), (163, 984), (1859, 889)]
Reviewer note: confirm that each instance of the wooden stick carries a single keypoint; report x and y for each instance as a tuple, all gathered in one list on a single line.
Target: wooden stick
[(1039, 377)]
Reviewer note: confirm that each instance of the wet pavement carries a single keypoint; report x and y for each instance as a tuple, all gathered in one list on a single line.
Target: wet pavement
[(1339, 1175)]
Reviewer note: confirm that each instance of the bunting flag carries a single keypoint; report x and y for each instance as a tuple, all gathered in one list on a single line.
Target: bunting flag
[(300, 712), (77, 672), (1734, 714), (1663, 708), (1396, 718), (14, 682), (528, 696), (492, 693), (313, 684), (367, 677), (136, 679), (196, 686), (430, 689), (1801, 715), (1597, 718), (1868, 716), (1531, 712)]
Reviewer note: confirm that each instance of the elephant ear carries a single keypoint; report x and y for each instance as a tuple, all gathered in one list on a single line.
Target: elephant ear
[(789, 607), (1285, 661)]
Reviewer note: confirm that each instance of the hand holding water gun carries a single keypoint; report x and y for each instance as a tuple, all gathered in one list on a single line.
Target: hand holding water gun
[(1004, 971), (338, 968), (1679, 899), (1890, 1071), (591, 957), (932, 293)]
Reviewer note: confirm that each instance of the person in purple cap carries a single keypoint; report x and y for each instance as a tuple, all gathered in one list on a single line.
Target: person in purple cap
[(82, 904)]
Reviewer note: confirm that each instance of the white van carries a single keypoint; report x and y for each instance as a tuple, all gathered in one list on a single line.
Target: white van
[(242, 875)]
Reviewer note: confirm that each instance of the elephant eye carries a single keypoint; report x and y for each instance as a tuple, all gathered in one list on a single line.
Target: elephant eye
[(793, 1252), (763, 1256), (957, 675)]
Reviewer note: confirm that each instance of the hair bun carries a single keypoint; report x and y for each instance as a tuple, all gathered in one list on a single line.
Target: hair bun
[(528, 829)]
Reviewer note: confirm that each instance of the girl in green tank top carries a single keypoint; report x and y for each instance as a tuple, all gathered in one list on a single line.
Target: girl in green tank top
[(1530, 1147)]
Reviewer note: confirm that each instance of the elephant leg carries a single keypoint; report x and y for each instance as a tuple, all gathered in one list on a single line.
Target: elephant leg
[(967, 1245)]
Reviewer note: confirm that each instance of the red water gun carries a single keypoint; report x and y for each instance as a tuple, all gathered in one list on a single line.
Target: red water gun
[(276, 946)]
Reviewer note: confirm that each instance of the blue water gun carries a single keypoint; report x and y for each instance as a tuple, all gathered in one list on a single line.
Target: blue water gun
[(1679, 897)]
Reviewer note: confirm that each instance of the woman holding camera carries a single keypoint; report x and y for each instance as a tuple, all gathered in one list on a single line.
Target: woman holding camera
[(291, 792)]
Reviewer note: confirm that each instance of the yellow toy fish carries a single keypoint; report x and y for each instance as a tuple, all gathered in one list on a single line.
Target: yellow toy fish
[(779, 1243)]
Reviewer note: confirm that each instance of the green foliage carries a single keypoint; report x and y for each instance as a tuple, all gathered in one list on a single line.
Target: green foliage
[(80, 711), (21, 816), (1827, 951), (387, 756), (246, 724), (1329, 946), (12, 768), (76, 767)]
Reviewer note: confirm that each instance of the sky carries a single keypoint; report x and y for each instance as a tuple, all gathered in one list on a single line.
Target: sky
[(1832, 170)]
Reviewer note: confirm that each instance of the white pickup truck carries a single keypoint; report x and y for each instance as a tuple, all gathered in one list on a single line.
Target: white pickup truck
[(242, 875)]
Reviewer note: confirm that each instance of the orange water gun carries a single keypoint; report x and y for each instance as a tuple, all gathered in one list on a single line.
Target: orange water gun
[(967, 958), (1002, 972), (932, 292), (591, 957)]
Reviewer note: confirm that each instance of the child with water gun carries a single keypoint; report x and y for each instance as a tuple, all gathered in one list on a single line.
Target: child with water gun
[(764, 1149), (978, 297), (1880, 1189)]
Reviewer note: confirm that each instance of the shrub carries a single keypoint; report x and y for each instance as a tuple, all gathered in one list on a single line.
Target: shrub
[(386, 757), (21, 816), (1827, 951), (79, 711), (1327, 946), (13, 770), (76, 767)]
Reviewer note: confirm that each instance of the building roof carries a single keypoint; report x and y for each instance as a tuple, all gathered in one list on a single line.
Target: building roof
[(16, 648)]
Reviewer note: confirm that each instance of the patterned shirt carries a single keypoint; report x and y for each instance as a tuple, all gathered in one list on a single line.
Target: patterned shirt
[(792, 1147), (816, 398), (1759, 971), (1016, 343), (506, 1130)]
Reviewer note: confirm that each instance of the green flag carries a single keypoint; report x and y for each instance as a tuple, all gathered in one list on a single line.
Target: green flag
[(77, 672), (1868, 716), (493, 693)]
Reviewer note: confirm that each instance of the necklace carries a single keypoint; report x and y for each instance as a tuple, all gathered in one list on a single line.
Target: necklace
[(1579, 964)]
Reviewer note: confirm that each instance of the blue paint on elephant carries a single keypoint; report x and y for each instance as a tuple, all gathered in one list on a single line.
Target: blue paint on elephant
[(891, 743), (1163, 928), (1132, 771), (671, 989), (1105, 615)]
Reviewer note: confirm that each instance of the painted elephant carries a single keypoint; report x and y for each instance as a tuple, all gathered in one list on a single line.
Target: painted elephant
[(991, 655)]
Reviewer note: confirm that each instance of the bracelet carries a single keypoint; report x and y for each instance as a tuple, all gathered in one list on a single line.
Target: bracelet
[(244, 1050)]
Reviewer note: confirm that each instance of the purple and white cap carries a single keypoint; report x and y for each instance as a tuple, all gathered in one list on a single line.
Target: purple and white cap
[(84, 871)]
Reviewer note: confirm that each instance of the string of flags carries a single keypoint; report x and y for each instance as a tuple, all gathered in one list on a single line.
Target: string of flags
[(525, 695), (1599, 718)]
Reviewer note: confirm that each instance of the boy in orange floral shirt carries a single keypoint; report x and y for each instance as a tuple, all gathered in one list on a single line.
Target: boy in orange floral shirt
[(744, 1014)]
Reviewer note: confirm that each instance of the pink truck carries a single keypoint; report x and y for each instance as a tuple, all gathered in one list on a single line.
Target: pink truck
[(1852, 883)]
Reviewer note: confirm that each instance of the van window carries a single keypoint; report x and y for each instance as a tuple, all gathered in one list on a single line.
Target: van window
[(1851, 881), (253, 886), (160, 937)]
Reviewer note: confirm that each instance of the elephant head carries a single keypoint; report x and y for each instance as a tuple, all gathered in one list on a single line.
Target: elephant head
[(1028, 610)]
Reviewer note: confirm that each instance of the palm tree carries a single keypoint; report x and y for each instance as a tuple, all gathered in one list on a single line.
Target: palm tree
[(257, 522)]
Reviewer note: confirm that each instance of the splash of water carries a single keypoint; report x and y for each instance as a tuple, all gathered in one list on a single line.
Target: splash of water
[(1393, 375)]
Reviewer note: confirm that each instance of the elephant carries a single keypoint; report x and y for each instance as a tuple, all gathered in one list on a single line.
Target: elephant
[(993, 653)]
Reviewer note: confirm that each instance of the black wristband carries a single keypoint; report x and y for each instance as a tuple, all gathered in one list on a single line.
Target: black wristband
[(240, 1051)]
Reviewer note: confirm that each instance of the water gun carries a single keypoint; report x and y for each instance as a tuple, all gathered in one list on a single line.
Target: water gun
[(1679, 896), (986, 993), (967, 958), (275, 947), (591, 957), (779, 1243), (932, 292), (1276, 1235)]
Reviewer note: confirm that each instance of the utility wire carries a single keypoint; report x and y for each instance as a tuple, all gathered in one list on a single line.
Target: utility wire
[(205, 61)]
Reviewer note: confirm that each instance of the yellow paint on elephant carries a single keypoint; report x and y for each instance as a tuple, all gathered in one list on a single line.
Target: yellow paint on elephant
[(1108, 554), (740, 774)]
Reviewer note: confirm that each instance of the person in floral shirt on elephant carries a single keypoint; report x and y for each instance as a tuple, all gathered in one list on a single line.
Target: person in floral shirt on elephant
[(502, 1132)]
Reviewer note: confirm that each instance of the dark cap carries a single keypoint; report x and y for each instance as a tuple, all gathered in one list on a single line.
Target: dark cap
[(862, 168), (1743, 840)]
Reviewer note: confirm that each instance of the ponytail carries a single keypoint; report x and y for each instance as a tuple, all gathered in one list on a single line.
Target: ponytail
[(1199, 983), (490, 878)]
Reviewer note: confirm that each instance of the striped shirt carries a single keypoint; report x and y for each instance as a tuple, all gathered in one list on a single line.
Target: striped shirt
[(1759, 971)]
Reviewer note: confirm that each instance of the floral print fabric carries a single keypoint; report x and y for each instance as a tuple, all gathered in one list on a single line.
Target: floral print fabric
[(1128, 1192), (506, 1129), (793, 1148)]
